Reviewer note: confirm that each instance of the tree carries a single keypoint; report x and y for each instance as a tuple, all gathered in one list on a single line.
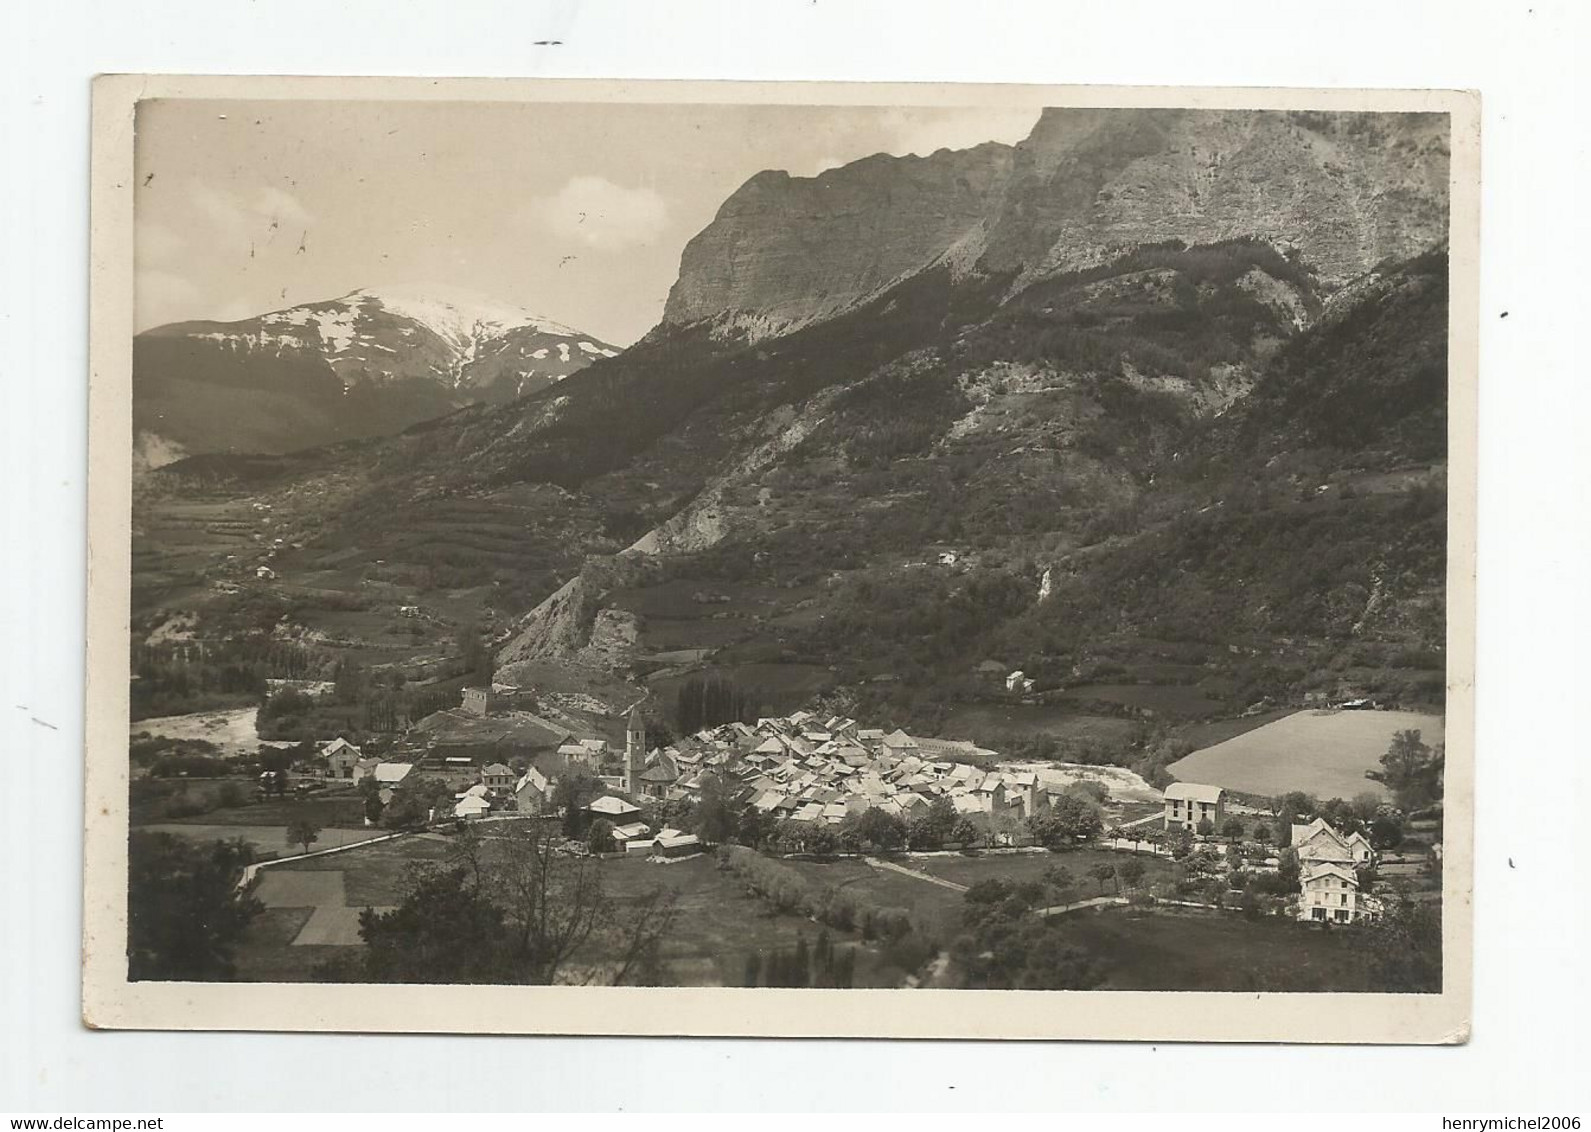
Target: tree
[(934, 825), (303, 831), (1288, 873), (599, 838), (1405, 945), (513, 910), (1131, 872), (1232, 829), (370, 791), (571, 795), (1262, 834), (1070, 820), (1412, 770), (1206, 827), (444, 930), (1101, 873), (1060, 878), (184, 911), (754, 827), (881, 829), (1181, 843), (716, 814), (479, 665), (414, 801), (1386, 830)]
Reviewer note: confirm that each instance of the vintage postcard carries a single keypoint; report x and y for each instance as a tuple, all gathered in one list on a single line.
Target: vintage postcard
[(781, 559)]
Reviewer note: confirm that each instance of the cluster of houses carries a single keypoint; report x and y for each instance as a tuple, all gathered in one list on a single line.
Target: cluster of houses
[(807, 768), (1328, 860)]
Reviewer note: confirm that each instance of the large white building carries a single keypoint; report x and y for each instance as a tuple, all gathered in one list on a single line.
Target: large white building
[(1188, 804)]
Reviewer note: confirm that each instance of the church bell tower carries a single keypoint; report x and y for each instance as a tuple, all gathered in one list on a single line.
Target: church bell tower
[(634, 751)]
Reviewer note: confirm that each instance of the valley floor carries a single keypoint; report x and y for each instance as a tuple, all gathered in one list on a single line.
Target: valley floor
[(312, 909)]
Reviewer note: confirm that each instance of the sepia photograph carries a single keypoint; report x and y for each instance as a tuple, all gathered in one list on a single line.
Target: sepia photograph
[(576, 557)]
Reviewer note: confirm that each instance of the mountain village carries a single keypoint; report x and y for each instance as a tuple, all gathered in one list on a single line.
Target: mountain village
[(807, 775)]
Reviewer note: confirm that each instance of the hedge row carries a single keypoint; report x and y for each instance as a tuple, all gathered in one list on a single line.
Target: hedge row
[(788, 890)]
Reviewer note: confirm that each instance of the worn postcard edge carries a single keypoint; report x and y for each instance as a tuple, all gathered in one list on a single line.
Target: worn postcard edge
[(110, 1001)]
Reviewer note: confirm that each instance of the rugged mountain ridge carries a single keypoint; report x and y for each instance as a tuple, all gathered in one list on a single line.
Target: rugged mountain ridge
[(370, 362), (1345, 190), (1134, 427)]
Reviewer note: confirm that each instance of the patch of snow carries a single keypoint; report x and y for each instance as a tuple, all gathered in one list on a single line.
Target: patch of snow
[(563, 351), (541, 353), (456, 316), (336, 328)]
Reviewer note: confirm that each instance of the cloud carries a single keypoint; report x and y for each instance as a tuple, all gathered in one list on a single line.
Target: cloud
[(238, 221), (598, 213), (926, 129)]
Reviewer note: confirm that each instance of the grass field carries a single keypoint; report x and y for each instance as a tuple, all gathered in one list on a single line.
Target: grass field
[(270, 839), (1325, 753), (718, 923), (1216, 951), (341, 810), (1019, 867), (936, 911), (375, 875)]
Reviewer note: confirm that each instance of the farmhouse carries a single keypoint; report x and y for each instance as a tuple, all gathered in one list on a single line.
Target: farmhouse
[(1188, 804), (496, 776), (1317, 843), (390, 774), (1330, 893), (532, 791), (1018, 681), (341, 758), (471, 806)]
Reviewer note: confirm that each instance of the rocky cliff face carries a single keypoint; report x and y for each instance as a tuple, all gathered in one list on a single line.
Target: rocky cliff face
[(786, 251), (1346, 190), (576, 622)]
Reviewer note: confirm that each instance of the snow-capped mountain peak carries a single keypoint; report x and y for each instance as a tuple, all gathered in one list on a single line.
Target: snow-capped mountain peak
[(456, 315)]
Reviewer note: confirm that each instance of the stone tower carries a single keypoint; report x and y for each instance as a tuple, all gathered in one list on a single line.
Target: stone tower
[(634, 751)]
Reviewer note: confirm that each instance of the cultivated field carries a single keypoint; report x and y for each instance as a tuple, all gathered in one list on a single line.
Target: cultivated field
[(264, 838), (1325, 753)]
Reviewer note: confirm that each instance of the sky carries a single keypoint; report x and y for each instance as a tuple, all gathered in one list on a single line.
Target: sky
[(578, 212)]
